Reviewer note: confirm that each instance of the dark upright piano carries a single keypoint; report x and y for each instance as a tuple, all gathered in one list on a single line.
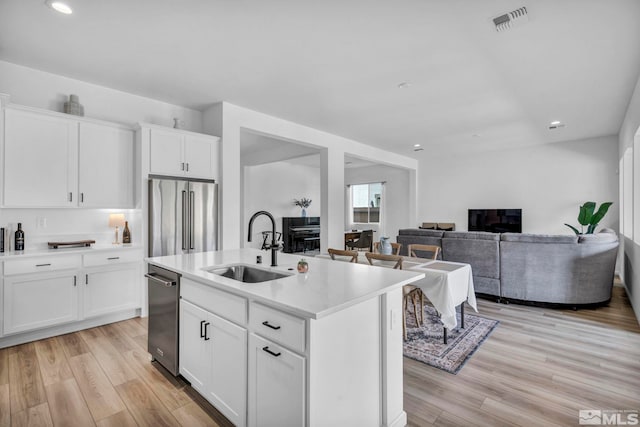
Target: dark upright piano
[(300, 233)]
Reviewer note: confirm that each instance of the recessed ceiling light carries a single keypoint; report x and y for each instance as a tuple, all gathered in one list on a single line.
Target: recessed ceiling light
[(59, 6), (555, 122), (404, 85), (416, 145)]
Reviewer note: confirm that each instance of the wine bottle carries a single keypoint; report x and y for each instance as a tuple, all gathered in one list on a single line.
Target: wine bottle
[(126, 234), (19, 244)]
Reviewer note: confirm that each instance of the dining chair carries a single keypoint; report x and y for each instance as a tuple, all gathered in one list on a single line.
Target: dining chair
[(352, 255), (420, 251), (408, 291), (363, 243), (432, 250), (394, 246)]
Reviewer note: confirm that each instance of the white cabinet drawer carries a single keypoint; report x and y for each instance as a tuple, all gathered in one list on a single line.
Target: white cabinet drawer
[(281, 327), (41, 264), (224, 304), (111, 257)]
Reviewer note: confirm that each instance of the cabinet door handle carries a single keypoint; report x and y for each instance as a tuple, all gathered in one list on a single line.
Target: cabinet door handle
[(271, 352), (70, 197), (75, 280), (81, 197), (182, 166), (43, 265), (187, 166), (113, 257), (86, 279), (185, 208), (206, 338), (266, 323), (202, 333)]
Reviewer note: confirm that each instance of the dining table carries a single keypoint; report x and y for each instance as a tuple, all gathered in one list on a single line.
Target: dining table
[(446, 285)]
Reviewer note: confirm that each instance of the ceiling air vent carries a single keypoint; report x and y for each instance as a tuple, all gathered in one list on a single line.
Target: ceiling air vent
[(511, 19)]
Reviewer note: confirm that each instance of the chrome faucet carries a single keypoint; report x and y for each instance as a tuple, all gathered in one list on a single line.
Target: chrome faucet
[(274, 245)]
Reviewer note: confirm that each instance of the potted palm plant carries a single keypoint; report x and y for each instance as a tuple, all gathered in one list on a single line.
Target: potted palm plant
[(589, 217)]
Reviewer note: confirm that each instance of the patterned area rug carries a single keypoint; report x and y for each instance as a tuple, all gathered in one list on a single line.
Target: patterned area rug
[(426, 343)]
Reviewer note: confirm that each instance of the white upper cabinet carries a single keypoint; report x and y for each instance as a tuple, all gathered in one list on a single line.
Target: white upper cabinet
[(105, 166), (40, 159), (51, 160), (180, 153)]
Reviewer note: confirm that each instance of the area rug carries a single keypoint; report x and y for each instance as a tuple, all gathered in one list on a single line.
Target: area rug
[(426, 343)]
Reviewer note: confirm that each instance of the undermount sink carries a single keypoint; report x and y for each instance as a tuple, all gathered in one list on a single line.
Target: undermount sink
[(247, 273)]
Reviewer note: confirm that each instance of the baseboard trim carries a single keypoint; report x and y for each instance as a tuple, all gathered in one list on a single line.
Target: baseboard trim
[(24, 337), (400, 421)]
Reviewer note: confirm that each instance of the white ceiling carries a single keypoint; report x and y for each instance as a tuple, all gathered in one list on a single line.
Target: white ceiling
[(335, 65)]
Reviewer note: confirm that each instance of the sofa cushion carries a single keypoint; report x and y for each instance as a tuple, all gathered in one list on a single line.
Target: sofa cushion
[(474, 235), (483, 254), (538, 238), (419, 232), (602, 237)]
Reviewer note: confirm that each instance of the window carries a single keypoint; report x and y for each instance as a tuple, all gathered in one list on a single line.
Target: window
[(366, 200)]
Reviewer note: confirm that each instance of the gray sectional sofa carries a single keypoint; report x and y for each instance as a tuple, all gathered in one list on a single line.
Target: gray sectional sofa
[(550, 269)]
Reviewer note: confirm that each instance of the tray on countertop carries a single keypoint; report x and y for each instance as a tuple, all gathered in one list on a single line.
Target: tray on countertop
[(82, 243)]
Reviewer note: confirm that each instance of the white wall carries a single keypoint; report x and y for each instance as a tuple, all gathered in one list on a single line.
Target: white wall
[(272, 187), (227, 120), (548, 182), (397, 212), (630, 131), (40, 89)]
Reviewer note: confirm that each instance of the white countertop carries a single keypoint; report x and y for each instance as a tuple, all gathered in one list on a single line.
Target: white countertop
[(328, 286), (4, 256)]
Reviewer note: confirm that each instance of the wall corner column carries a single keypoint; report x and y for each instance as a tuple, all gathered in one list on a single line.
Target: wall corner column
[(332, 194)]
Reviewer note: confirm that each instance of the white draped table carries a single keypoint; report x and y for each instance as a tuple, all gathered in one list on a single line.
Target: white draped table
[(446, 284)]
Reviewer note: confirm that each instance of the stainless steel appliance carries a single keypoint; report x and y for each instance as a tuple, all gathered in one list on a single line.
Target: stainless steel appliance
[(183, 216), (164, 296)]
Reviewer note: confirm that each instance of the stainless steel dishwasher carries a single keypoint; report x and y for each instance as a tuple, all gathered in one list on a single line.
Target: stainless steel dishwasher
[(164, 308)]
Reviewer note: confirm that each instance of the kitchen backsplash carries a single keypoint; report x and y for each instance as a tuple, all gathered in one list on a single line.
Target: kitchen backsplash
[(46, 225)]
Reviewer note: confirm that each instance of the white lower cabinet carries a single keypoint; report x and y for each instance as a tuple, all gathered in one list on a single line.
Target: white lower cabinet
[(111, 289), (44, 296), (39, 300), (276, 385), (213, 357)]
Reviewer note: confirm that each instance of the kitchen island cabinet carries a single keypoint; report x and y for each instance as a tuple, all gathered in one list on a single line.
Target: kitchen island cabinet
[(320, 348)]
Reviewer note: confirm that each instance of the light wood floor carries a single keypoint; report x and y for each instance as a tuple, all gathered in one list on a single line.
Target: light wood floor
[(539, 367)]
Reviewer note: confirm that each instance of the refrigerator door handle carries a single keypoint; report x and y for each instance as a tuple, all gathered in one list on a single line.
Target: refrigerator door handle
[(184, 220), (192, 218)]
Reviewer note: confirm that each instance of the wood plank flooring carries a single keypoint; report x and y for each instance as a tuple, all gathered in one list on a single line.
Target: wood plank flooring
[(538, 368), (97, 377)]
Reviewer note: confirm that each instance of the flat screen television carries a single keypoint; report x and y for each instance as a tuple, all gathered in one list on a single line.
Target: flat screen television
[(496, 220)]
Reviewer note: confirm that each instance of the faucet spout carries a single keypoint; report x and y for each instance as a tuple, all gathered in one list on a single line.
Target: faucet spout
[(274, 245)]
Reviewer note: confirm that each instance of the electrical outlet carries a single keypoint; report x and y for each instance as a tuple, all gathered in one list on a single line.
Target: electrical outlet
[(41, 222)]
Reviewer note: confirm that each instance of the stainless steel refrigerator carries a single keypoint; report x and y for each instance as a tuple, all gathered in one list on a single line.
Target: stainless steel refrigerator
[(183, 218)]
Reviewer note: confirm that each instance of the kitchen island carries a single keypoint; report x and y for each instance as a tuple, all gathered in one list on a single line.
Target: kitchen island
[(321, 348)]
